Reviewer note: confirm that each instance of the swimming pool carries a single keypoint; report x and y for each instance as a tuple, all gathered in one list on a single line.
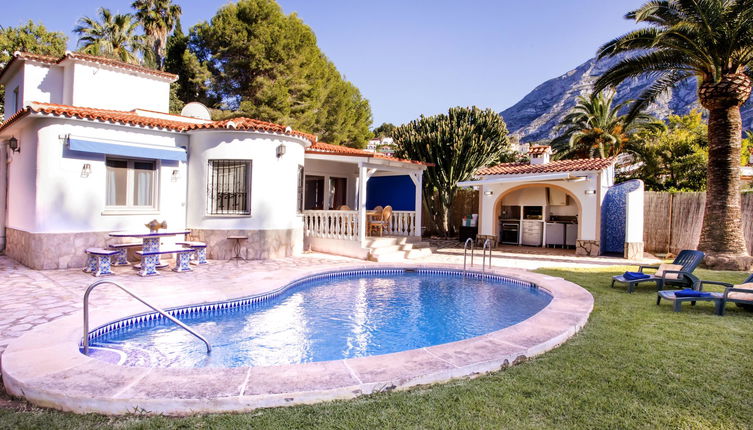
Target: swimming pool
[(331, 316)]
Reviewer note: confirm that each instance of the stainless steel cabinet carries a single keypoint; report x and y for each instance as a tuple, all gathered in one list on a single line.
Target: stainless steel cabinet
[(555, 234), (571, 234), (532, 232)]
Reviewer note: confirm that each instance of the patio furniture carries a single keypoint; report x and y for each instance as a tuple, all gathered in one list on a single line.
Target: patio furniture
[(199, 255), (383, 223), (344, 208), (150, 241), (237, 247), (98, 261), (149, 260), (122, 248), (678, 299), (741, 294), (669, 276)]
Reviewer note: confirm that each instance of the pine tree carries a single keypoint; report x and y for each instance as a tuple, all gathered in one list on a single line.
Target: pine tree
[(267, 65)]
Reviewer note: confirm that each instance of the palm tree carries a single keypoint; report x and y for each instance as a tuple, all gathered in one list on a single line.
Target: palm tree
[(711, 40), (594, 128), (159, 18), (113, 36)]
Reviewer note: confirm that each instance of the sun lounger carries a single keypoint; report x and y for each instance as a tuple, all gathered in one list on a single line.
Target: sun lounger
[(678, 275)]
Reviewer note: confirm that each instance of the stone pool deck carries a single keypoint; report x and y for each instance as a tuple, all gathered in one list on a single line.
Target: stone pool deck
[(44, 364)]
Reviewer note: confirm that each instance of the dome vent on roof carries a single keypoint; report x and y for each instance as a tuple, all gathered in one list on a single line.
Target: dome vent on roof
[(196, 110)]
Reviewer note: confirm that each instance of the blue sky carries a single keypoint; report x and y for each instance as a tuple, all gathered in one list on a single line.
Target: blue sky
[(416, 57)]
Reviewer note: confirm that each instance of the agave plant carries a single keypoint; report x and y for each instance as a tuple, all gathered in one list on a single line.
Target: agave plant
[(113, 35), (594, 128), (711, 40)]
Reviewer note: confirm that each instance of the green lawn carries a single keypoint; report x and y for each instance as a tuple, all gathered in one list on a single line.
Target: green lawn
[(635, 365)]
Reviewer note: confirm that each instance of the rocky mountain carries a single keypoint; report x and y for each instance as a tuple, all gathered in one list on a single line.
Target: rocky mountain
[(538, 113)]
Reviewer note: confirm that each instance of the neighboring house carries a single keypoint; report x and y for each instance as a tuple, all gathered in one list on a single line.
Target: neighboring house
[(382, 145), (566, 203), (91, 148)]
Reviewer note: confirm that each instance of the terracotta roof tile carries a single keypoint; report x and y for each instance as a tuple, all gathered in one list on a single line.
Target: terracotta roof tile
[(132, 118), (243, 123), (586, 164), (85, 57), (539, 149), (326, 148), (118, 64)]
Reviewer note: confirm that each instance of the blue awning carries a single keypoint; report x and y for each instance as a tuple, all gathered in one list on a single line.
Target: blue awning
[(126, 150)]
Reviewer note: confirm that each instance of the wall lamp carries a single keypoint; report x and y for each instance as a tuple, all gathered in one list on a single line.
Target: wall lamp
[(590, 191), (86, 170), (280, 150), (488, 193), (13, 144), (175, 176)]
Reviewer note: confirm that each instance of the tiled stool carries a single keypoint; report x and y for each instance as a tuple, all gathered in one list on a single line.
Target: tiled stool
[(199, 255), (122, 248), (98, 261)]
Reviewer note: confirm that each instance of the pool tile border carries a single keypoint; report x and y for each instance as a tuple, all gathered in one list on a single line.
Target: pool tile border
[(46, 368)]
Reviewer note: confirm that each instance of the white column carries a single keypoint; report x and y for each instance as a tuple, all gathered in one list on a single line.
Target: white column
[(361, 197), (418, 181)]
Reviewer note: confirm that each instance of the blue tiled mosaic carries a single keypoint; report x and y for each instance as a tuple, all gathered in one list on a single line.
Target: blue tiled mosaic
[(614, 216)]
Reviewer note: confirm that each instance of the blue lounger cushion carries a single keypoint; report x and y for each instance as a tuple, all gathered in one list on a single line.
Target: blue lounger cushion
[(691, 293), (634, 276)]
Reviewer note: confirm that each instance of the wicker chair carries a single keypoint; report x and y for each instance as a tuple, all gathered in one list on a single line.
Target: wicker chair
[(383, 223), (344, 208)]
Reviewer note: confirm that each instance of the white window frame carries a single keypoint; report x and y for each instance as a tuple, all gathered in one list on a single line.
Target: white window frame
[(129, 207)]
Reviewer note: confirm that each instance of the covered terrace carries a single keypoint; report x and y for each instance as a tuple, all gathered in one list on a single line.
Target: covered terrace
[(336, 177)]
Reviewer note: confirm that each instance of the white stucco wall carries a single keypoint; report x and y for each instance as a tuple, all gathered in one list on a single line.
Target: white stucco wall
[(589, 218), (15, 81), (22, 182), (49, 194), (634, 219), (42, 83), (274, 182), (108, 88)]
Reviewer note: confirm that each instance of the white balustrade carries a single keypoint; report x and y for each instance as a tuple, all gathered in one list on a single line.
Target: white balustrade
[(344, 224), (331, 224), (403, 223)]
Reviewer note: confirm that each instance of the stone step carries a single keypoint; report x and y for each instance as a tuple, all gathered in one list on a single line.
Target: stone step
[(384, 250), (379, 242)]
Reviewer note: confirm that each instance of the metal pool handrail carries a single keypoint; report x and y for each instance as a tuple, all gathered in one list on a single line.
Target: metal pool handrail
[(155, 308), (465, 252), (483, 255)]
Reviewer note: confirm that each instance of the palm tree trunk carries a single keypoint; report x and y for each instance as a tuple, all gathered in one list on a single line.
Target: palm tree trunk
[(722, 236)]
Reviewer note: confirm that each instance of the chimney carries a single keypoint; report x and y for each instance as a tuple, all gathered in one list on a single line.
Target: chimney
[(539, 154)]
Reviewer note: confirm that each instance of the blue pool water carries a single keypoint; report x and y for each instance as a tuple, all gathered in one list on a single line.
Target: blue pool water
[(329, 319)]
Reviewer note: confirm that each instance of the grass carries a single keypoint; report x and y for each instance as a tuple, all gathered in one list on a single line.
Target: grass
[(635, 365)]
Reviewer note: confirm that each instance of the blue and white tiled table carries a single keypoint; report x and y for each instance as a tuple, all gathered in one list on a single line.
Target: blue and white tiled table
[(150, 242)]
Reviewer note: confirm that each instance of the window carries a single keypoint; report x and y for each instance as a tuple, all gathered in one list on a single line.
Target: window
[(16, 101), (301, 178), (314, 190), (228, 187), (337, 192), (131, 183)]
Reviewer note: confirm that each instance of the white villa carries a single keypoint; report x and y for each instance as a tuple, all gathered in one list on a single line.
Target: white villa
[(88, 147)]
